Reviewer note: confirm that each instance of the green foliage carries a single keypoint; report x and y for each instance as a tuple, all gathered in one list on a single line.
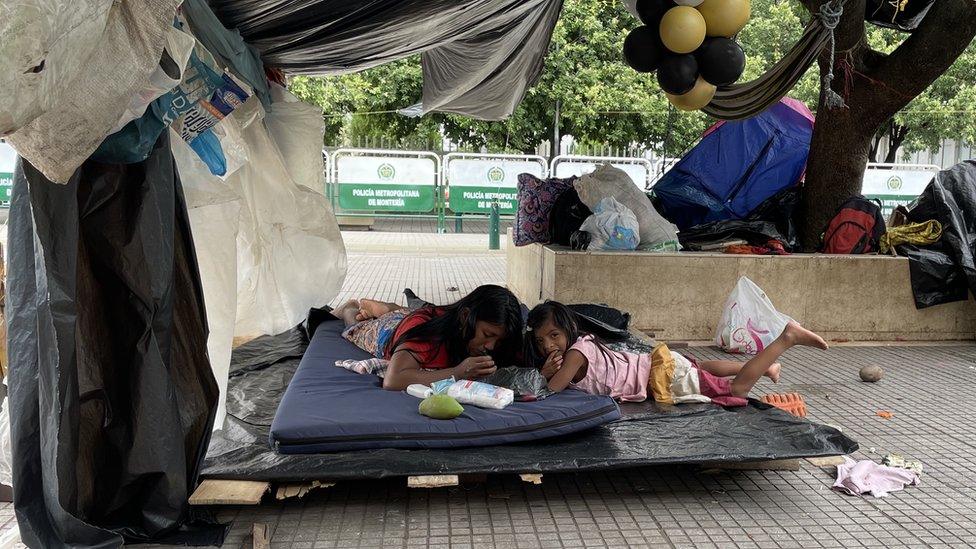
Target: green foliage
[(602, 101), (947, 109)]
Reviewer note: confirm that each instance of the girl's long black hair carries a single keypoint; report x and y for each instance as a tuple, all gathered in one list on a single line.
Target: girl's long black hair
[(454, 327), (565, 319)]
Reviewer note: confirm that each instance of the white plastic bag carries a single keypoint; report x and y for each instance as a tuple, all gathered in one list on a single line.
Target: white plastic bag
[(166, 76), (290, 123), (612, 226), (749, 321)]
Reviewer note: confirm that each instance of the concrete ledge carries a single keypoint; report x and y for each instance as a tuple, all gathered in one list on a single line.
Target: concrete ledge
[(679, 296)]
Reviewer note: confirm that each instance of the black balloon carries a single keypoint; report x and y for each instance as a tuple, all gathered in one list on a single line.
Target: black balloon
[(651, 11), (677, 74), (720, 61), (643, 49)]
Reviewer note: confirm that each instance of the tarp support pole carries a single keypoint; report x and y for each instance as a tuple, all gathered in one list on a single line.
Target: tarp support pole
[(493, 223), (441, 214)]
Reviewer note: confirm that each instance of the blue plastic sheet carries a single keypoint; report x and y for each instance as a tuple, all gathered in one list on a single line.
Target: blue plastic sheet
[(736, 167)]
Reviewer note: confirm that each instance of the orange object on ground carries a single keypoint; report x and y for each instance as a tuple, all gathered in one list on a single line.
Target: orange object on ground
[(791, 403), (885, 414)]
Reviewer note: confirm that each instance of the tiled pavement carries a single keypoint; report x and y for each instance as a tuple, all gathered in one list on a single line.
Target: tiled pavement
[(927, 388)]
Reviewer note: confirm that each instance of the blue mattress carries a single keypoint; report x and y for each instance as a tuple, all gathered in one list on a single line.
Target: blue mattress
[(330, 409)]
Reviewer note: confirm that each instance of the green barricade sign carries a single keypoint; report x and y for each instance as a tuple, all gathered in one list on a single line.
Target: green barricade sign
[(385, 197), (6, 187), (475, 183), (386, 183), (895, 186)]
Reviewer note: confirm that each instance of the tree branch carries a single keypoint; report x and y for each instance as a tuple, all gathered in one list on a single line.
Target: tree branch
[(933, 47)]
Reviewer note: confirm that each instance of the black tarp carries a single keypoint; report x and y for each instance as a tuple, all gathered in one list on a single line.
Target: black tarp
[(111, 395), (649, 434), (479, 56), (945, 271), (772, 219), (894, 14)]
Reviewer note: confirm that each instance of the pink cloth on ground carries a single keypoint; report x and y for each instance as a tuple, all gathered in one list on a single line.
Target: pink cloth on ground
[(867, 477), (620, 375)]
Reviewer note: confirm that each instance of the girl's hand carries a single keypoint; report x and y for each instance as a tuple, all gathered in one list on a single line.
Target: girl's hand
[(553, 362), (475, 367)]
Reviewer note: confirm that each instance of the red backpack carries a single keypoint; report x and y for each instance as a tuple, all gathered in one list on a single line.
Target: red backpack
[(856, 228)]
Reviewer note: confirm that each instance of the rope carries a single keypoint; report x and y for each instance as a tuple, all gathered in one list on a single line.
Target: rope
[(830, 14), (920, 234), (668, 130)]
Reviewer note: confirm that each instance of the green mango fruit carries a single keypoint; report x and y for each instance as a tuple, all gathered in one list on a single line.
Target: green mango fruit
[(440, 407)]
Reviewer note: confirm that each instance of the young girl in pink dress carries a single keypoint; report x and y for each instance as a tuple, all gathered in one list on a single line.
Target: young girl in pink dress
[(570, 358)]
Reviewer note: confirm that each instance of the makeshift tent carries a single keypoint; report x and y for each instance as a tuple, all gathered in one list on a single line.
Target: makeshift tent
[(737, 166), (84, 378)]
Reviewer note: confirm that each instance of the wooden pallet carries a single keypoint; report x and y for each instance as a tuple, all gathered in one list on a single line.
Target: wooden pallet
[(229, 492), (249, 492)]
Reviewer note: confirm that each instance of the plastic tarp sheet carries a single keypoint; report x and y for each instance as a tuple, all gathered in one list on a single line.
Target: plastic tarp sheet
[(478, 57), (111, 394), (737, 166), (647, 434), (268, 243), (945, 271), (68, 71)]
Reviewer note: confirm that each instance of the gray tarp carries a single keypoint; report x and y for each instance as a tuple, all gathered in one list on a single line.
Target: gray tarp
[(479, 56)]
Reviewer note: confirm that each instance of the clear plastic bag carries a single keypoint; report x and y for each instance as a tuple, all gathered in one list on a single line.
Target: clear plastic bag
[(612, 226), (480, 394), (749, 321)]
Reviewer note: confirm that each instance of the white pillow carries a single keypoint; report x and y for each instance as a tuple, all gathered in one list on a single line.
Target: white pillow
[(614, 182)]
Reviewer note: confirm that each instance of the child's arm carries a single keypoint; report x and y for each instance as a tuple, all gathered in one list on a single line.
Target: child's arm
[(553, 362), (573, 360)]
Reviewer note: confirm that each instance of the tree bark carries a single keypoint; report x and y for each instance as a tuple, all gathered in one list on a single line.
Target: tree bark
[(875, 87)]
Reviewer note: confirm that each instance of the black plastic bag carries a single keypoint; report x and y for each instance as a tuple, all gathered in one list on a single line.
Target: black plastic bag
[(112, 398), (945, 271), (566, 217), (771, 220), (889, 13), (756, 233)]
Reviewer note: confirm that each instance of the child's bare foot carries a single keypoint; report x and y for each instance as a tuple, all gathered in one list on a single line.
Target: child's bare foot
[(347, 312), (798, 335), (773, 372), (370, 308), (341, 309)]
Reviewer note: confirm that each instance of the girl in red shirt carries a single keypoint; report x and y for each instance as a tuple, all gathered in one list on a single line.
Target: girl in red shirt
[(465, 339)]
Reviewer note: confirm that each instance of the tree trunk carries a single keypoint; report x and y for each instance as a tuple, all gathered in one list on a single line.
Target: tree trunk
[(875, 86), (842, 147), (896, 137)]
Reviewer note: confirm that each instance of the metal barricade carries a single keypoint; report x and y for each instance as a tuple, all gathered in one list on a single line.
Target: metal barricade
[(639, 169)]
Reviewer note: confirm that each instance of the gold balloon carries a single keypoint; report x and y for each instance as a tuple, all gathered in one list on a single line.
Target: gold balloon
[(682, 29), (725, 17), (698, 97)]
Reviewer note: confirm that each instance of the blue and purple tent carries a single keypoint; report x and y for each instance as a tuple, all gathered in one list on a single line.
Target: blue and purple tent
[(737, 165)]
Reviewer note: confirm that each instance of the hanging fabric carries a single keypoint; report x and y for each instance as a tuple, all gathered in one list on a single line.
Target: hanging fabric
[(741, 101), (478, 58)]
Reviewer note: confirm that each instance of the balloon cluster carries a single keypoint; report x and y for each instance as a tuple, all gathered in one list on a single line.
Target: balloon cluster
[(690, 44)]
